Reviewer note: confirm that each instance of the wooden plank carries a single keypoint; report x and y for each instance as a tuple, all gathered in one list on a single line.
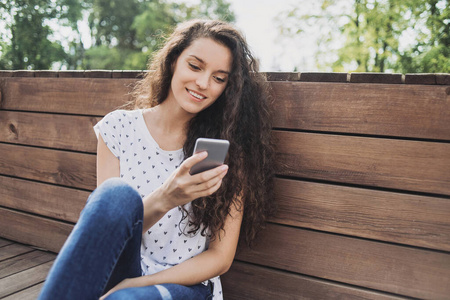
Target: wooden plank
[(37, 231), (71, 74), (380, 266), (87, 96), (394, 217), (30, 293), (6, 73), (376, 78), (426, 78), (406, 110), (44, 199), (12, 250), (23, 73), (4, 243), (416, 111), (25, 279), (443, 79), (45, 73), (53, 166), (98, 73), (54, 131), (323, 77), (282, 76), (128, 73), (397, 164), (246, 281), (24, 262)]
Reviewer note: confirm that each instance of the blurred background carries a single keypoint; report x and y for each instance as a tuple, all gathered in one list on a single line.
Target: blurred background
[(404, 36)]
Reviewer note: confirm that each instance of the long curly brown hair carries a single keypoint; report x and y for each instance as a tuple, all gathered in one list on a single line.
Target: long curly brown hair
[(241, 115)]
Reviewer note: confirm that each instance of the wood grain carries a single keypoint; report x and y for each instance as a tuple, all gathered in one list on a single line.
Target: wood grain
[(49, 130), (53, 166), (323, 77), (86, 96), (246, 281), (33, 230), (372, 77), (384, 267), (397, 164), (30, 293), (4, 242), (392, 217), (416, 111), (43, 199), (12, 250), (24, 262), (14, 283)]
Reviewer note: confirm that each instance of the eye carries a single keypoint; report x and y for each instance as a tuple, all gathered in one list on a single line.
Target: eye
[(194, 67), (219, 79)]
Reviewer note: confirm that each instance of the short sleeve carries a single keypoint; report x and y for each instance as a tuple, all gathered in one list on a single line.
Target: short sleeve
[(109, 128)]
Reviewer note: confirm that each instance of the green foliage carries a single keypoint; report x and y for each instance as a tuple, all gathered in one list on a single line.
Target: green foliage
[(379, 35), (30, 45), (123, 34)]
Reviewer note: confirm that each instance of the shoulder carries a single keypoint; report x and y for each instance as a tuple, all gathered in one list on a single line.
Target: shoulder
[(121, 115)]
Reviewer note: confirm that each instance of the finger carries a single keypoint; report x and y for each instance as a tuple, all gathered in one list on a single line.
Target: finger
[(210, 174), (209, 191), (210, 183), (191, 161)]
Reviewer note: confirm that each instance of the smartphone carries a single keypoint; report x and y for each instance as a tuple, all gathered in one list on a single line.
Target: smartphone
[(217, 151)]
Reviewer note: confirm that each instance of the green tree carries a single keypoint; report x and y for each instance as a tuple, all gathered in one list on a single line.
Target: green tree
[(431, 52), (369, 34), (29, 34), (125, 33), (27, 41)]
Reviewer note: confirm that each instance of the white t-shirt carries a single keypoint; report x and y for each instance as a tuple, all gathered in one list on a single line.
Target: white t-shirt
[(145, 166)]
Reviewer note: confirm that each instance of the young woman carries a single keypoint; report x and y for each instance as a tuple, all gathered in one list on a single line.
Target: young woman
[(151, 230)]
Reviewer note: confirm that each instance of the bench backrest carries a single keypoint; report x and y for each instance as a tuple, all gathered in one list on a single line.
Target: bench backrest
[(362, 187)]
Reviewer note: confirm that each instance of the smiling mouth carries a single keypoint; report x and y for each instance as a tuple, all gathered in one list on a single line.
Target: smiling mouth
[(195, 95)]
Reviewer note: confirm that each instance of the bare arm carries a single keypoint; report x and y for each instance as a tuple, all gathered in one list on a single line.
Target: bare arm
[(107, 164)]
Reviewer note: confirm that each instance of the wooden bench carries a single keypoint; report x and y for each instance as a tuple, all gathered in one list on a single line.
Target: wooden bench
[(362, 187)]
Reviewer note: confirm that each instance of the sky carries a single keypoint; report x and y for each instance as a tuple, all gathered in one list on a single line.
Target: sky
[(256, 19)]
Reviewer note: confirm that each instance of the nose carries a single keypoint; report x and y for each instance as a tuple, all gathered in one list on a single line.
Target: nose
[(202, 81)]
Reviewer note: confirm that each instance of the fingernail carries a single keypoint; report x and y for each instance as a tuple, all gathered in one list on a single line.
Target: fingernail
[(224, 168)]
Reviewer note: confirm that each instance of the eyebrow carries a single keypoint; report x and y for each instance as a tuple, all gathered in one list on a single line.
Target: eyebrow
[(203, 62)]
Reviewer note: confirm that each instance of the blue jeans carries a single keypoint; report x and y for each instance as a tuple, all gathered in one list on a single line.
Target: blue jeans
[(104, 249)]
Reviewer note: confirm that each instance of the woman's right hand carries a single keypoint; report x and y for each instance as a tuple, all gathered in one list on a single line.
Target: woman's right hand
[(182, 187)]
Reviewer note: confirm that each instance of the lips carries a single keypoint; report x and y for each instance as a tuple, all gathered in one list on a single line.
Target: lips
[(196, 95)]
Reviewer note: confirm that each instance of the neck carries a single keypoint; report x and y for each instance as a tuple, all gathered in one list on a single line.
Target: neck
[(171, 118)]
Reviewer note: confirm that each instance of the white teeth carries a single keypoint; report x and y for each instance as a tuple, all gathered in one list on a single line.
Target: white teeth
[(196, 95)]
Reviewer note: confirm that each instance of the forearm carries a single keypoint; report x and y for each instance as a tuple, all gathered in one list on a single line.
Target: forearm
[(204, 266), (154, 209), (193, 271)]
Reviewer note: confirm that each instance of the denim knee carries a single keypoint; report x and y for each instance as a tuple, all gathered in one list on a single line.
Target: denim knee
[(113, 201)]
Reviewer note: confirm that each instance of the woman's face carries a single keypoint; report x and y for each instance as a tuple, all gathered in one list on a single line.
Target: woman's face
[(200, 75)]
